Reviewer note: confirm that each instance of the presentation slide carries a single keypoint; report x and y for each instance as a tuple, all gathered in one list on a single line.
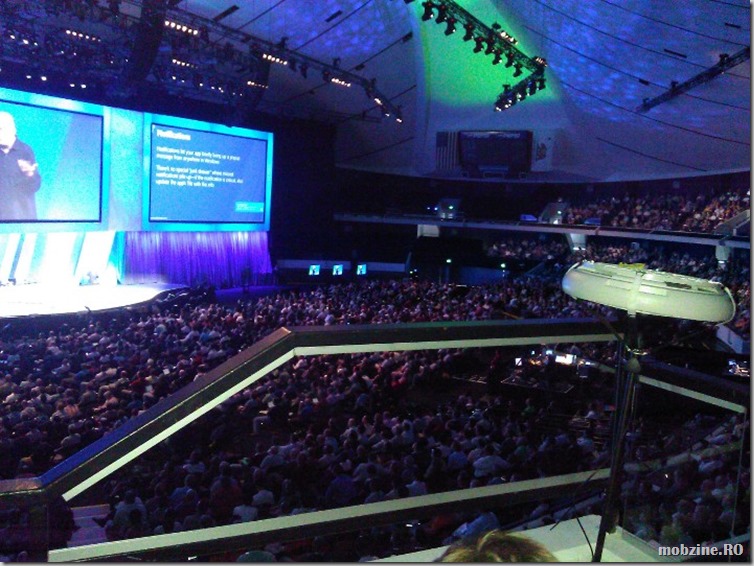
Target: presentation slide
[(208, 174), (50, 160), (74, 166)]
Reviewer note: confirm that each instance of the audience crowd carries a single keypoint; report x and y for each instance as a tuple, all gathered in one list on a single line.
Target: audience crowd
[(347, 417), (64, 389), (679, 212), (555, 254), (694, 501)]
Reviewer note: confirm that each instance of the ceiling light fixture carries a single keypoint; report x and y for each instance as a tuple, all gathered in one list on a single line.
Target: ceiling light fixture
[(469, 35), (428, 14), (442, 14)]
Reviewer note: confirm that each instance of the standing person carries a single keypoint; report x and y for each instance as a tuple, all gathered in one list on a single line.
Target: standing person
[(19, 174)]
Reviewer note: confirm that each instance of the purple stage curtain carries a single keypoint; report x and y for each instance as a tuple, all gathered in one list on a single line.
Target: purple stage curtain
[(223, 259)]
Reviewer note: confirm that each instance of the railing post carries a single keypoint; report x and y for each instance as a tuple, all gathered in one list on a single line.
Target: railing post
[(39, 528), (25, 511)]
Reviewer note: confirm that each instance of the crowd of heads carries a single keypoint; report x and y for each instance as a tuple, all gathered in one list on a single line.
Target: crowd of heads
[(673, 212), (346, 433), (344, 416), (700, 500), (555, 254), (64, 389)]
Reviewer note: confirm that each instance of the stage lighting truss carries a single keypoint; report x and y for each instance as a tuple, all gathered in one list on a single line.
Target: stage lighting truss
[(184, 64), (182, 28), (491, 40), (340, 82), (274, 59), (279, 53), (511, 95), (83, 36), (198, 57)]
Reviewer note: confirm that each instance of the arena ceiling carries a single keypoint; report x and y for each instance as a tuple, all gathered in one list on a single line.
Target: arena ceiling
[(604, 58)]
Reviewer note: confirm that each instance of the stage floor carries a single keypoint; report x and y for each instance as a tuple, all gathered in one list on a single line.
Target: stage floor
[(45, 299)]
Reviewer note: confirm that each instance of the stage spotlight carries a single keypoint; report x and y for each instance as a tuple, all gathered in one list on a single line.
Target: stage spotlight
[(428, 14), (490, 46), (541, 83), (498, 58), (469, 35), (532, 86), (478, 47), (509, 58), (518, 71), (451, 29)]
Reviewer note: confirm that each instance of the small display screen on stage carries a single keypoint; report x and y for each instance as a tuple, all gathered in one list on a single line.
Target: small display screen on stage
[(314, 269), (565, 359), (206, 176), (51, 159), (337, 269), (361, 269)]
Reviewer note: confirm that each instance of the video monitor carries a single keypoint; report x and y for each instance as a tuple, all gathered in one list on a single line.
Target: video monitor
[(314, 269), (206, 176), (565, 359), (337, 269), (51, 159), (361, 269)]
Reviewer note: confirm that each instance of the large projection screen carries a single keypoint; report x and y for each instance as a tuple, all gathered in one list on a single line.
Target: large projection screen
[(51, 162), (205, 177)]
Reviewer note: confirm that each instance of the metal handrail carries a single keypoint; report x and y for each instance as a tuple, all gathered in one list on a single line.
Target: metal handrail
[(255, 534), (114, 450)]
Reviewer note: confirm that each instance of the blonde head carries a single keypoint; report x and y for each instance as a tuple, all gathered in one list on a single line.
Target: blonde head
[(497, 546)]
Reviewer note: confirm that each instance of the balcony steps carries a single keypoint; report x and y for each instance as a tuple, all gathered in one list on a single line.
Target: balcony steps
[(88, 532)]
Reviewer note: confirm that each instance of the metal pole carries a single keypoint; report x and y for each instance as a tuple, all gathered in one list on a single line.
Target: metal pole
[(624, 399)]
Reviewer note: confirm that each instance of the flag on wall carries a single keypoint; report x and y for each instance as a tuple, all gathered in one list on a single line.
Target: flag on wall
[(541, 151), (446, 152)]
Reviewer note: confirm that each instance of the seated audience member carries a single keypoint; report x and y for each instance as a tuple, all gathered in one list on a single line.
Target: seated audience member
[(497, 546)]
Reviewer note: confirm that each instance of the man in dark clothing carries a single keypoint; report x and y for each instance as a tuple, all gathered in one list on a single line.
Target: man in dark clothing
[(19, 174)]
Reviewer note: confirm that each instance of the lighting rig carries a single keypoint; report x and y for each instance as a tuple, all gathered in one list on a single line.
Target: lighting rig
[(280, 54), (490, 41), (724, 63), (197, 57)]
